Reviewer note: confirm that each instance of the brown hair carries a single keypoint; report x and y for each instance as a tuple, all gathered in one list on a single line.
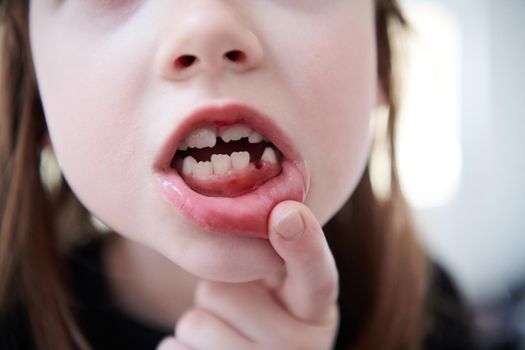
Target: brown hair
[(382, 267)]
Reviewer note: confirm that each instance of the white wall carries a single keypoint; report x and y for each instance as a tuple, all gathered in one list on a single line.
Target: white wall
[(479, 233)]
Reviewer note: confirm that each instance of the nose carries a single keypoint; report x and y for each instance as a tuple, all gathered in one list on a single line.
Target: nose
[(208, 40)]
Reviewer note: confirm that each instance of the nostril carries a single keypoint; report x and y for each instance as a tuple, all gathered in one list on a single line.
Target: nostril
[(185, 61), (235, 56)]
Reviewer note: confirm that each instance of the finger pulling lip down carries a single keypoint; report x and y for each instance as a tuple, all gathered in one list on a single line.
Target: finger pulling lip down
[(221, 188)]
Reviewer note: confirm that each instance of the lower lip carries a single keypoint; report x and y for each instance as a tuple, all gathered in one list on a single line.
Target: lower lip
[(246, 215)]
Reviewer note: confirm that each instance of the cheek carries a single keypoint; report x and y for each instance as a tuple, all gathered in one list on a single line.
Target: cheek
[(91, 122), (92, 78), (337, 90), (92, 144)]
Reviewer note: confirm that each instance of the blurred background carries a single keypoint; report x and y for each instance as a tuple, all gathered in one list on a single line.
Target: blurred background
[(462, 152)]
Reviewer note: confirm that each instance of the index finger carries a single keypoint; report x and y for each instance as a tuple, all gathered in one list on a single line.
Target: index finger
[(311, 285)]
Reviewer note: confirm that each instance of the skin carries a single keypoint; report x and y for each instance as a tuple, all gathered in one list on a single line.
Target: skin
[(112, 96)]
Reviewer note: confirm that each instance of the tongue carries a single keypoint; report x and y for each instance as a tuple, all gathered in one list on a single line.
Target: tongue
[(235, 182)]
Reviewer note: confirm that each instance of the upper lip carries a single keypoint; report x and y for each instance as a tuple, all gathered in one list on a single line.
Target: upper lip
[(226, 114)]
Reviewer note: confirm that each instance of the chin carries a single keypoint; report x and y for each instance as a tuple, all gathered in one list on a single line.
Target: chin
[(229, 259)]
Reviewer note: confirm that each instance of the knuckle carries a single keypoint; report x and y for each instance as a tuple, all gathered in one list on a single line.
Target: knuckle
[(327, 291), (312, 252), (299, 335)]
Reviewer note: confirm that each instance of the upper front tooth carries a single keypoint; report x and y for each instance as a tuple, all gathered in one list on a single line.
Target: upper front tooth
[(201, 138), (234, 133), (255, 137)]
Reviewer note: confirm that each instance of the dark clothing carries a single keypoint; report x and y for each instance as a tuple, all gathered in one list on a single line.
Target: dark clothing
[(451, 321), (103, 323), (107, 327)]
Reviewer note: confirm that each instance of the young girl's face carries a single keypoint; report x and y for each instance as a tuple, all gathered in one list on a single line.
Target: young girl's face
[(126, 83)]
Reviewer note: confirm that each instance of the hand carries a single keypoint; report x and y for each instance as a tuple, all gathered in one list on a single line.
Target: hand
[(297, 312)]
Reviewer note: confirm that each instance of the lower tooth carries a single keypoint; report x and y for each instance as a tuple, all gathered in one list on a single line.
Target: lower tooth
[(203, 170), (269, 155), (240, 160), (222, 163), (187, 165)]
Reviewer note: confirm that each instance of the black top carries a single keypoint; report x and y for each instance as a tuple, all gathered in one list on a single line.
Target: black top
[(107, 327)]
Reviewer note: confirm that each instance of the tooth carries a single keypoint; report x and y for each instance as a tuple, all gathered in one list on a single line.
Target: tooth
[(188, 164), (269, 155), (255, 137), (234, 133), (202, 170), (201, 138), (240, 160), (221, 163)]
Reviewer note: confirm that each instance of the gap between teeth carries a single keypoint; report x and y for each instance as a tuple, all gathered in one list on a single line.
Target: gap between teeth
[(221, 164), (207, 137)]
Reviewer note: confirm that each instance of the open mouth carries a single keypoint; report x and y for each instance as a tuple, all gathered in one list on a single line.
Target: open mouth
[(225, 168), (226, 161)]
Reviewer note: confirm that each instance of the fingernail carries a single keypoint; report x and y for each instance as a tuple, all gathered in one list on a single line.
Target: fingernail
[(291, 225)]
